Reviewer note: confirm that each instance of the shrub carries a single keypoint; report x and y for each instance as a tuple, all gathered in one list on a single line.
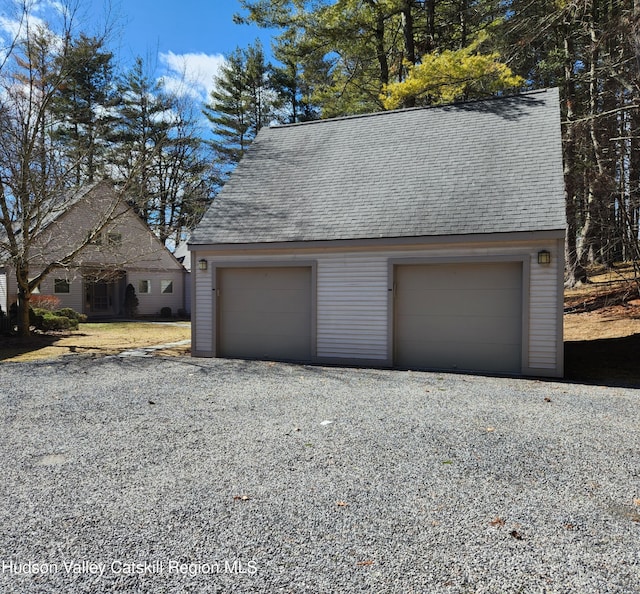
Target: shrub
[(36, 317), (45, 320), (130, 301), (72, 314), (13, 313), (165, 312), (53, 322), (48, 302)]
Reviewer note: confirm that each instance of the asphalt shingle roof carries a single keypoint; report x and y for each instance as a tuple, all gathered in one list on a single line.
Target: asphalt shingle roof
[(491, 166)]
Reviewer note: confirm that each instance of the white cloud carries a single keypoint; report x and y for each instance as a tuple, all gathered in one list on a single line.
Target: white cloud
[(15, 23), (191, 74), (14, 28)]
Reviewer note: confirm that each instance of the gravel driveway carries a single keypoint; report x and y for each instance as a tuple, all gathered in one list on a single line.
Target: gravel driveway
[(193, 475)]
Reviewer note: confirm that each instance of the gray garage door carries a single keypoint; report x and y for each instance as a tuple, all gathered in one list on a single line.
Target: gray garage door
[(459, 316), (264, 313)]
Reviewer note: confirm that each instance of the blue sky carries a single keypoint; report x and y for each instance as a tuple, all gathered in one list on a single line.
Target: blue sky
[(179, 26), (177, 36), (180, 38)]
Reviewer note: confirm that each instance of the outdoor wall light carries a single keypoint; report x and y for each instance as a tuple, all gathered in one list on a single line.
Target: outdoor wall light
[(544, 257), (202, 264)]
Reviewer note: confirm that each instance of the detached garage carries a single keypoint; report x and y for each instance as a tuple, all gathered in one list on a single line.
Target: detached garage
[(428, 238)]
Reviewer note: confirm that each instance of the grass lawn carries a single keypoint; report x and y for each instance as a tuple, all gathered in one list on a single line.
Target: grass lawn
[(97, 338)]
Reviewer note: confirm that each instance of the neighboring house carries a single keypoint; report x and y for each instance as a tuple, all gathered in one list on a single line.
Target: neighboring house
[(123, 252), (422, 238), (3, 289), (183, 256)]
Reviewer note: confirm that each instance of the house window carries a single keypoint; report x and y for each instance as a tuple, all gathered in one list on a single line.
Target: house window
[(61, 285), (144, 287), (166, 287), (114, 238)]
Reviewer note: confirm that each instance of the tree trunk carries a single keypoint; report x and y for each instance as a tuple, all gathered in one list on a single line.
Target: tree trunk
[(24, 297), (462, 18), (408, 32), (409, 44), (635, 25), (431, 25), (591, 248), (634, 186), (381, 53), (575, 273)]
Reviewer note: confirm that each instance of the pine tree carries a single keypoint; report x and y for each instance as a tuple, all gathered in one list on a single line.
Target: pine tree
[(79, 107), (587, 48), (449, 76), (138, 131), (186, 177), (240, 104), (160, 156), (348, 52)]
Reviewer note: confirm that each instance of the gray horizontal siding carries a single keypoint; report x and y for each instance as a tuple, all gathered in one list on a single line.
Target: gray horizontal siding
[(352, 307), (3, 291), (205, 307), (151, 303), (543, 313)]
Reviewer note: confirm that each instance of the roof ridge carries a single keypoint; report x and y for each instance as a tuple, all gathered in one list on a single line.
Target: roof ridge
[(409, 109)]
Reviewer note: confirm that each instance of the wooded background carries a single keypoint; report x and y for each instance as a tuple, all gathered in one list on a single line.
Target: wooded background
[(69, 114)]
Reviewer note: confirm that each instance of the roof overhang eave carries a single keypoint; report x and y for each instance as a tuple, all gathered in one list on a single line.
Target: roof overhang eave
[(381, 242)]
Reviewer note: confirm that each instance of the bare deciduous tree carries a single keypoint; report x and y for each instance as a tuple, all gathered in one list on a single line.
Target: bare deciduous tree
[(35, 174)]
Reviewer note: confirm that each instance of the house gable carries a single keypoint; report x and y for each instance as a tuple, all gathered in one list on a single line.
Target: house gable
[(121, 239)]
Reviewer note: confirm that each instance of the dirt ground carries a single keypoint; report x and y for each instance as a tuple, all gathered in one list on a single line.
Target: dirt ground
[(602, 331)]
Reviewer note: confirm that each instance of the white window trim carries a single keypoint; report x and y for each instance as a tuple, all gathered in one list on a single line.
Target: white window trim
[(56, 292)]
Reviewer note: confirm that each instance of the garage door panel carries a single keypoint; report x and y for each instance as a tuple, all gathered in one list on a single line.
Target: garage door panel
[(271, 300), (276, 324), (495, 358), (254, 279), (263, 346), (459, 316), (477, 304), (459, 277), (265, 313), (474, 330)]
